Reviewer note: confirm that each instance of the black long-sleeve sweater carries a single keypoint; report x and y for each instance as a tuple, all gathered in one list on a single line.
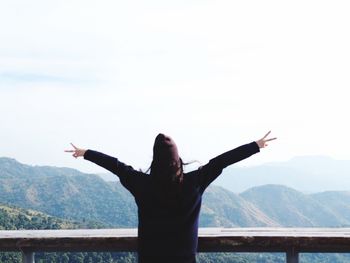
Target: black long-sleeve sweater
[(169, 230)]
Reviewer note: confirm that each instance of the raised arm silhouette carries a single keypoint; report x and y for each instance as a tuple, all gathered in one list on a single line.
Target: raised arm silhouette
[(168, 199)]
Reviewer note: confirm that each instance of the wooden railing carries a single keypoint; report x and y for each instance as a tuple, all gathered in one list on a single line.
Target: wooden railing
[(291, 241)]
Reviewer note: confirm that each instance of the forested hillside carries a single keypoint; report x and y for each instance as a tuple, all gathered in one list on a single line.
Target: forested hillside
[(14, 218)]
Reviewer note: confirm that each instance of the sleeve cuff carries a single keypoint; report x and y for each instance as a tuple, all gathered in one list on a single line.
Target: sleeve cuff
[(86, 154), (255, 147)]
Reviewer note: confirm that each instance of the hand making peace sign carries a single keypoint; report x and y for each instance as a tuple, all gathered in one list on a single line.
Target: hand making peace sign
[(77, 152), (263, 141)]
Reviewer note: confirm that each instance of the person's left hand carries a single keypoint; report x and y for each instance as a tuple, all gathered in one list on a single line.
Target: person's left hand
[(262, 143)]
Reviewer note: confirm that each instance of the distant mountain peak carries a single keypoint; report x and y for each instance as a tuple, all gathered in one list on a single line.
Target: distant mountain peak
[(8, 159), (273, 188), (10, 166), (312, 157), (301, 159)]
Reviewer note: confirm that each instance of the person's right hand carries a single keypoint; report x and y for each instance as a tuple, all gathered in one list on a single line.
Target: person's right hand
[(77, 152), (262, 143)]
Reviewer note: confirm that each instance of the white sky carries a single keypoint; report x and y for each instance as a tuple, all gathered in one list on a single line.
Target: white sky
[(110, 75)]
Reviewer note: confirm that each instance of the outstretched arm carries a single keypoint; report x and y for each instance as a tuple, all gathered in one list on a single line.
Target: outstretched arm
[(210, 171), (127, 175), (110, 163)]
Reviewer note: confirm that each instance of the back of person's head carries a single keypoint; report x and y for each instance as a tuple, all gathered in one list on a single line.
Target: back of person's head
[(167, 166)]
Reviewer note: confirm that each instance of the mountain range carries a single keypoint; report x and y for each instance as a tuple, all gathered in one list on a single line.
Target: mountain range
[(309, 174), (69, 194)]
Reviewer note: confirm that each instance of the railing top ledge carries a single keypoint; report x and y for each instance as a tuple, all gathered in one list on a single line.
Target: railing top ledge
[(210, 239), (203, 232)]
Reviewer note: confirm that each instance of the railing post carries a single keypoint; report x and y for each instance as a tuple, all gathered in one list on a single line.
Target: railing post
[(292, 255), (27, 257)]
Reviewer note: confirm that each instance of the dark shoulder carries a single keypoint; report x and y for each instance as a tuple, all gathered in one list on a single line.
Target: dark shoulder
[(192, 176)]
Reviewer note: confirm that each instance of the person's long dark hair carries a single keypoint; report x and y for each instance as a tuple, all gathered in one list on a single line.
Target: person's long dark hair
[(176, 176), (172, 173), (168, 180)]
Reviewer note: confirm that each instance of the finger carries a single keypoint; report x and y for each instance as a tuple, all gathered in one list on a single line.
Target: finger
[(69, 151), (267, 140), (73, 146), (267, 134)]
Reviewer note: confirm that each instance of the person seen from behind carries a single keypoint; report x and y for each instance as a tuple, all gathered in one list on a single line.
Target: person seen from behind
[(169, 200)]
